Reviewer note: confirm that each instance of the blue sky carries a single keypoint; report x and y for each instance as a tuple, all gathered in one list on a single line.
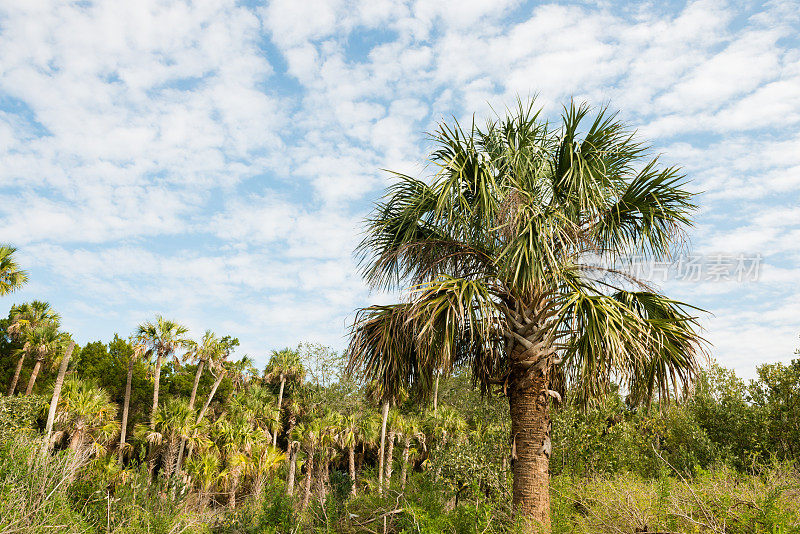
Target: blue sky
[(213, 160)]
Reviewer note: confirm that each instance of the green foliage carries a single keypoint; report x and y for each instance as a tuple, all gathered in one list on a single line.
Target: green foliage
[(20, 415)]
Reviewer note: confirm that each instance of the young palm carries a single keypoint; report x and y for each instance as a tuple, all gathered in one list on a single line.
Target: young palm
[(500, 249), (86, 414), (22, 320), (11, 276), (204, 470), (284, 365), (348, 439), (163, 337), (410, 430)]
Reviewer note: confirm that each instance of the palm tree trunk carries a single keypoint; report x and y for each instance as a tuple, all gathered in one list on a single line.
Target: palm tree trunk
[(385, 415), (192, 398), (436, 394), (51, 413), (156, 386), (13, 385), (351, 460), (307, 483), (292, 424), (530, 430), (389, 458), (280, 403), (123, 431), (404, 471), (292, 469), (217, 382), (234, 486), (34, 374)]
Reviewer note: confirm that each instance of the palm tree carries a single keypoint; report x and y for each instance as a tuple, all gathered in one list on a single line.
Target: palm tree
[(515, 252), (348, 439), (163, 337), (410, 430), (86, 411), (43, 342), (202, 352), (139, 351), (204, 469), (25, 318), (11, 276), (283, 365)]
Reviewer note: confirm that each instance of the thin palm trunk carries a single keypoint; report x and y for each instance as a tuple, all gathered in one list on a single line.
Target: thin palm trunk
[(13, 386), (235, 475), (123, 431), (292, 469), (351, 460), (156, 387), (389, 458), (32, 380), (280, 403), (192, 398), (217, 382), (530, 428), (436, 394), (385, 415), (307, 483), (51, 413), (406, 451)]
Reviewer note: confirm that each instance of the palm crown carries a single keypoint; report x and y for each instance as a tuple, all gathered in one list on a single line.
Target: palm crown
[(498, 251)]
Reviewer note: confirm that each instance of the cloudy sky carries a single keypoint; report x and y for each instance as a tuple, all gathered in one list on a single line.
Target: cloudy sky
[(212, 160)]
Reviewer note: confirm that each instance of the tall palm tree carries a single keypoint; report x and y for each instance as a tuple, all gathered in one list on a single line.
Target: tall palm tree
[(138, 352), (11, 276), (43, 342), (163, 337), (283, 365), (25, 318), (514, 251)]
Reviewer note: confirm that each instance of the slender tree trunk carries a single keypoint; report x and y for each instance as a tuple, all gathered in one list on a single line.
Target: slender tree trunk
[(13, 385), (51, 413), (123, 431), (292, 423), (351, 460), (32, 380), (197, 376), (280, 403), (307, 483), (385, 414), (389, 458), (292, 469), (156, 386), (404, 471), (436, 394), (234, 486), (217, 382), (530, 431)]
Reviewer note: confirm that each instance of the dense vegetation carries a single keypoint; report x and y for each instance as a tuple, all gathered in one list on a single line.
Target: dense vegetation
[(723, 459)]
